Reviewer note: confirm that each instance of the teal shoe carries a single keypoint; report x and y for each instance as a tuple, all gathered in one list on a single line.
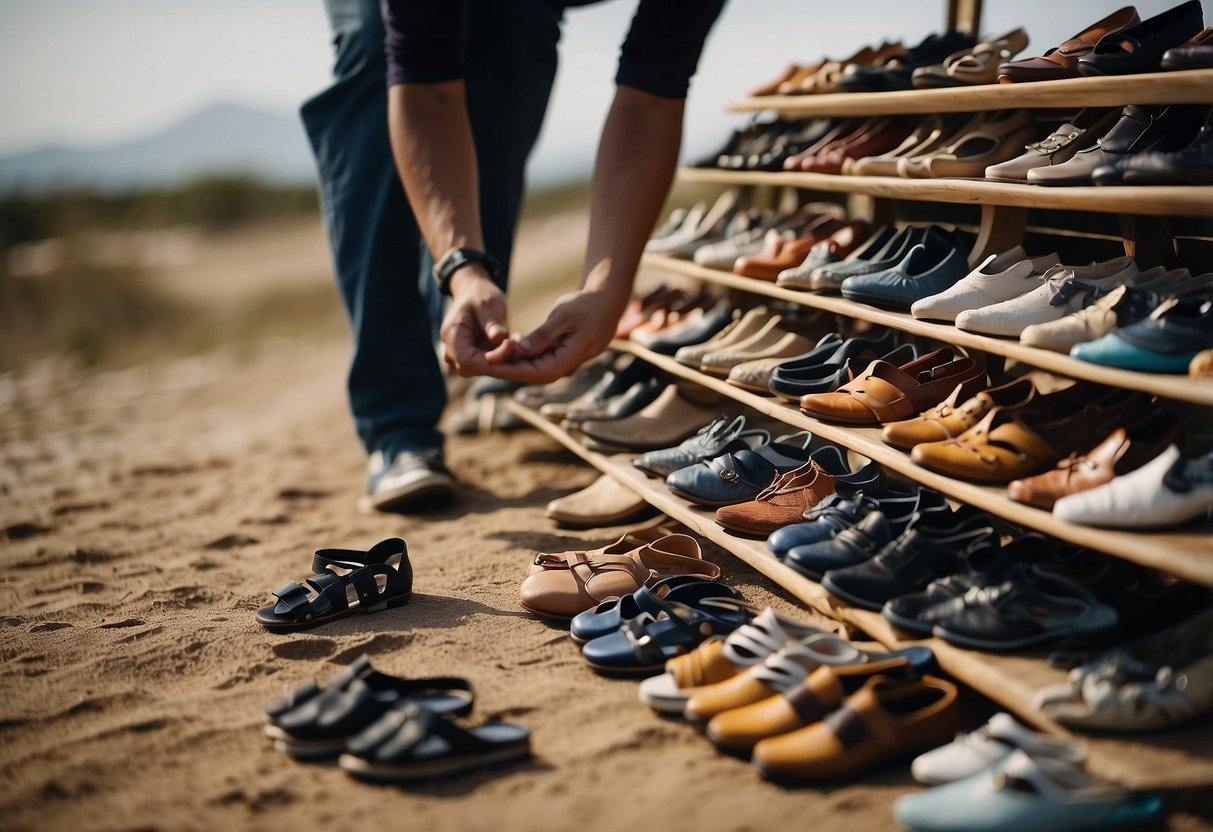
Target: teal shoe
[(1164, 342), (1025, 795), (1113, 351)]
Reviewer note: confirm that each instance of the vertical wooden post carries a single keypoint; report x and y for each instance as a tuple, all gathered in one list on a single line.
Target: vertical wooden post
[(1149, 240), (1002, 228), (964, 15)]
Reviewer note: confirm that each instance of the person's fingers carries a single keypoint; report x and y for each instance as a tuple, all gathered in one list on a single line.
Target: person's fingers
[(503, 352), (542, 337), (491, 317)]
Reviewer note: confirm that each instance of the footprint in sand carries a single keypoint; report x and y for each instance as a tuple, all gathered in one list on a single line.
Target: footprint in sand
[(118, 625), (22, 531), (382, 643), (49, 627), (302, 494), (232, 541), (305, 648)]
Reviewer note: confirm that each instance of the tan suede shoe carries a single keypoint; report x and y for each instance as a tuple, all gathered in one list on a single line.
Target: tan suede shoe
[(604, 502), (670, 418), (885, 720)]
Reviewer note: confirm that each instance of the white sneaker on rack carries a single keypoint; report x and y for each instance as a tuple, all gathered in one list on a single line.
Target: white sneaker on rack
[(999, 278)]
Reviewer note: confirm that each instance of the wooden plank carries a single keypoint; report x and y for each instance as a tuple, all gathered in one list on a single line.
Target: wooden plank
[(1175, 759), (1186, 553), (1153, 200), (1180, 388), (1193, 86)]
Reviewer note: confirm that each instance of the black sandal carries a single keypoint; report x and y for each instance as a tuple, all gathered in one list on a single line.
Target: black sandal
[(314, 722), (347, 580), (411, 742)]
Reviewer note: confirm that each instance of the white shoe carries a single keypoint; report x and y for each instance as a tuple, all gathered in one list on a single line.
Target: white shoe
[(1061, 291), (1000, 277), (1143, 498), (991, 743)]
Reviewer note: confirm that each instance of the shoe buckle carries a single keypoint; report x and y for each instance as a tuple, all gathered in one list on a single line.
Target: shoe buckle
[(729, 475)]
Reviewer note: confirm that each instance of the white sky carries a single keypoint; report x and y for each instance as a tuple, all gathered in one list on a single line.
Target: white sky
[(93, 71)]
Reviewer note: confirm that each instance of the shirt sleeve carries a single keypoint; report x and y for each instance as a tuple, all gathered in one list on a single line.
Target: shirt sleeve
[(663, 46), (425, 41)]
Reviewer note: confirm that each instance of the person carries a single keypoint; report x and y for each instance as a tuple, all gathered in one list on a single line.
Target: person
[(456, 92)]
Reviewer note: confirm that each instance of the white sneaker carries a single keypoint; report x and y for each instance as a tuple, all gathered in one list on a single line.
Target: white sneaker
[(1061, 291), (412, 477), (1000, 277), (1143, 498), (991, 743)]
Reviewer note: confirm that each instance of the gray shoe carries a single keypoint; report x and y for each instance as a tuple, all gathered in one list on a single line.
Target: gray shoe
[(412, 477)]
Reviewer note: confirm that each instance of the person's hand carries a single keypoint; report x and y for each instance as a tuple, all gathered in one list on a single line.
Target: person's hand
[(579, 327), (474, 332)]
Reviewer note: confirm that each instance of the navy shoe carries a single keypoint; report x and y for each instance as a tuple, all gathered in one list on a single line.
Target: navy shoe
[(737, 477), (410, 478), (825, 520), (609, 616), (929, 268)]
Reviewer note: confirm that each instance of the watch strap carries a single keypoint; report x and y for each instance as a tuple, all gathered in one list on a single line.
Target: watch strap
[(456, 259)]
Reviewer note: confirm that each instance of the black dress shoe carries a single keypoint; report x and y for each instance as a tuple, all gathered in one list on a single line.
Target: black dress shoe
[(923, 553), (1190, 165), (734, 144), (897, 73), (708, 326), (1140, 48), (1195, 54)]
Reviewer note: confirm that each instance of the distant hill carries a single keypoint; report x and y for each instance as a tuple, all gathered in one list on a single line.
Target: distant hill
[(223, 138)]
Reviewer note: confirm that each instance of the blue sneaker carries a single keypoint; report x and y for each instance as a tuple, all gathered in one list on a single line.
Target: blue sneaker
[(411, 477)]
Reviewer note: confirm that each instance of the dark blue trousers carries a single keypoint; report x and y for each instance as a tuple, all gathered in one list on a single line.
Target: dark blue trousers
[(396, 389)]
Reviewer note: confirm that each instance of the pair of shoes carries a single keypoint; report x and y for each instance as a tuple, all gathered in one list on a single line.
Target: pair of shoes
[(1166, 341), (674, 415), (822, 77), (826, 370), (740, 475), (1000, 277), (1087, 127), (754, 324), (851, 241), (1062, 61), (388, 729), (561, 586), (721, 435), (782, 253), (973, 66), (407, 479), (985, 139), (897, 72), (831, 516), (927, 269), (882, 252), (346, 581)]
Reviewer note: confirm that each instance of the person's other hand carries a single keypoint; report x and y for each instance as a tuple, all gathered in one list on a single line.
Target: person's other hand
[(579, 327), (474, 332)]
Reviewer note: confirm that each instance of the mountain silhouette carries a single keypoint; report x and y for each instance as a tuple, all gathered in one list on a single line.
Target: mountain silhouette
[(222, 138)]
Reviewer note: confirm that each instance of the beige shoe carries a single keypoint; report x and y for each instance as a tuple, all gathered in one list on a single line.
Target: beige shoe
[(672, 417), (755, 376), (1102, 316), (780, 345), (742, 329), (602, 503)]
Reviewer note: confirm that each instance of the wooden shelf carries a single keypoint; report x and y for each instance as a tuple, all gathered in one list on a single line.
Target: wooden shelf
[(1193, 86), (1147, 200), (1187, 554), (1180, 388), (1175, 759)]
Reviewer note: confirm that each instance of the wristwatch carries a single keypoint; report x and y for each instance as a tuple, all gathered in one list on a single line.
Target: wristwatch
[(456, 259)]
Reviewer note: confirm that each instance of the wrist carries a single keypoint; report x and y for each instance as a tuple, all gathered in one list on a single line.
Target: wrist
[(467, 278)]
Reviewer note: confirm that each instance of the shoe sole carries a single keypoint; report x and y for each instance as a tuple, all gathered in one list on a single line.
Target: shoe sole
[(910, 625), (425, 488), (382, 773), (690, 498), (550, 616), (294, 627)]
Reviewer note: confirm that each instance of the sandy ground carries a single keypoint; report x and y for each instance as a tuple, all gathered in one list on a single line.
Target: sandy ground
[(149, 512)]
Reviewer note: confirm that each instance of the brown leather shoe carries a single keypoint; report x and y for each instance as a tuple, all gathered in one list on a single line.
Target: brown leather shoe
[(1062, 61), (588, 581), (1011, 445), (884, 720), (881, 136), (740, 729), (786, 254), (947, 420), (885, 393), (782, 503), (1121, 452), (792, 74)]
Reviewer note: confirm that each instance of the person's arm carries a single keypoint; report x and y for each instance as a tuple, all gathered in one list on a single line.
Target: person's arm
[(635, 165), (432, 143)]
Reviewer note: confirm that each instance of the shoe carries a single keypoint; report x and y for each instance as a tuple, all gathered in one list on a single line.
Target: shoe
[(1169, 490), (1197, 53), (1124, 450), (615, 382), (712, 225), (928, 269), (1140, 47), (764, 333), (1087, 127), (998, 138), (777, 344), (669, 419), (974, 66), (1000, 277), (787, 499), (739, 330), (718, 660), (933, 133), (989, 745), (1139, 130), (1120, 307), (737, 477), (1189, 165), (802, 699), (755, 375), (1062, 61), (1165, 342), (798, 377), (864, 539), (603, 502), (830, 278), (659, 529), (878, 135), (721, 435), (897, 73), (885, 720), (930, 548), (785, 254), (823, 351), (887, 393), (830, 517), (615, 613), (835, 248), (1060, 291), (694, 331), (955, 415), (410, 478), (1028, 610), (1027, 794), (566, 389), (1015, 444)]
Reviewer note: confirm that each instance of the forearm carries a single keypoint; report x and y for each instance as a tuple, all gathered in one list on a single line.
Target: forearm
[(436, 158), (632, 176)]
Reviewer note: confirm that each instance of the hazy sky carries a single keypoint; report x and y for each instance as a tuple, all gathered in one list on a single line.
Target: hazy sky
[(93, 71)]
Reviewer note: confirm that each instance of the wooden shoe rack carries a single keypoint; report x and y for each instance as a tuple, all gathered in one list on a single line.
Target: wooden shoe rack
[(1176, 759)]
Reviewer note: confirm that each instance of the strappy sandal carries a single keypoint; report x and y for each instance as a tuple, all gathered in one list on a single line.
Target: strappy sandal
[(663, 527), (347, 581), (411, 742), (970, 67), (313, 722), (610, 615), (643, 645)]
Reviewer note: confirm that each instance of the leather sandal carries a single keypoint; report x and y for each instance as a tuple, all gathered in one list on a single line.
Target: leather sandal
[(610, 615), (887, 393), (629, 540), (975, 66)]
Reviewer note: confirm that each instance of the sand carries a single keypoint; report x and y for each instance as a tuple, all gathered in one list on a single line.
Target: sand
[(149, 512)]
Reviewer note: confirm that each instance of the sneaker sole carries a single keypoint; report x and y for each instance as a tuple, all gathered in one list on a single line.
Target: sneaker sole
[(430, 485)]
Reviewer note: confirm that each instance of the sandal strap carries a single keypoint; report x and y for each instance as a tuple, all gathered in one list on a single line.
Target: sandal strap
[(399, 732), (381, 552)]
